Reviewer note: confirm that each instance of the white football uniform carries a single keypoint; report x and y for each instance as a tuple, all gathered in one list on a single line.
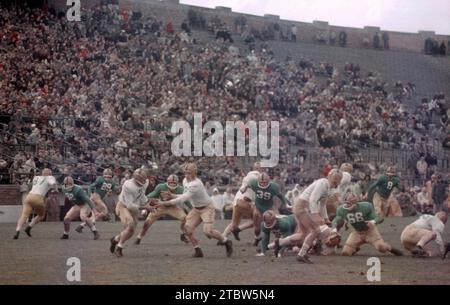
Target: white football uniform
[(434, 224), (344, 186), (133, 196), (249, 193), (42, 184), (315, 194)]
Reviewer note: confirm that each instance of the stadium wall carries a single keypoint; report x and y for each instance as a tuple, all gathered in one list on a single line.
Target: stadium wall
[(307, 32), (10, 203)]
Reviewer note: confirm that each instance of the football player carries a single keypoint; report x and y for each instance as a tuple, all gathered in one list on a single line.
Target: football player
[(362, 217), (81, 207), (34, 201), (162, 192), (417, 235)]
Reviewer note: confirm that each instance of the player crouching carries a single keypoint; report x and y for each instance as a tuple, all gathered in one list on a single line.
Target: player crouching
[(362, 217), (81, 207)]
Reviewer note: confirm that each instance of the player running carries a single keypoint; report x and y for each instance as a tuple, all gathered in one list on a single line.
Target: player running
[(81, 207), (35, 201), (162, 192), (203, 210), (417, 235), (103, 185), (383, 188), (362, 217), (131, 199)]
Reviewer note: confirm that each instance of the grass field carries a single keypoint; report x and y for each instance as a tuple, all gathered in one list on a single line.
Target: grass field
[(163, 259)]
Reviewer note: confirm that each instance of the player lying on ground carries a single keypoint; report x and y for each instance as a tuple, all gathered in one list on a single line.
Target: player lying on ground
[(163, 191), (81, 207), (34, 201), (417, 235), (131, 200), (203, 210), (243, 205), (362, 217), (311, 212), (103, 186)]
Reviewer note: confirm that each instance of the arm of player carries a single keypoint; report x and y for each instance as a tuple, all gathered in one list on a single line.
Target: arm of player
[(373, 216), (179, 198), (155, 193), (92, 186), (371, 188), (338, 221)]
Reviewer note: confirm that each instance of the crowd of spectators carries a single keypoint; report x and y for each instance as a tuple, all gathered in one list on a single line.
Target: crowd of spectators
[(82, 96)]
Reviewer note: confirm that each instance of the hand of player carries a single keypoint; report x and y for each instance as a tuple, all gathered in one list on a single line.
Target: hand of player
[(327, 221), (153, 202), (365, 197), (370, 224)]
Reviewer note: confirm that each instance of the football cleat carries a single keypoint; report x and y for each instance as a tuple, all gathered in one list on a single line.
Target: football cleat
[(113, 245), (65, 236), (198, 252), (396, 252), (304, 259), (418, 252), (96, 235), (229, 247), (16, 236), (137, 241), (79, 229), (236, 234), (118, 252), (183, 238), (28, 231)]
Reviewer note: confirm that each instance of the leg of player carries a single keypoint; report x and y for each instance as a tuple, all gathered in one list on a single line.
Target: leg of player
[(27, 209), (235, 220), (257, 220), (72, 214), (314, 230), (193, 220), (151, 218), (183, 237), (420, 249), (84, 215), (207, 215)]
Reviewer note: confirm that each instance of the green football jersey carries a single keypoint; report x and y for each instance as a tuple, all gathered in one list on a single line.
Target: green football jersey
[(102, 187), (77, 196), (384, 187), (264, 196), (285, 226), (357, 217)]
